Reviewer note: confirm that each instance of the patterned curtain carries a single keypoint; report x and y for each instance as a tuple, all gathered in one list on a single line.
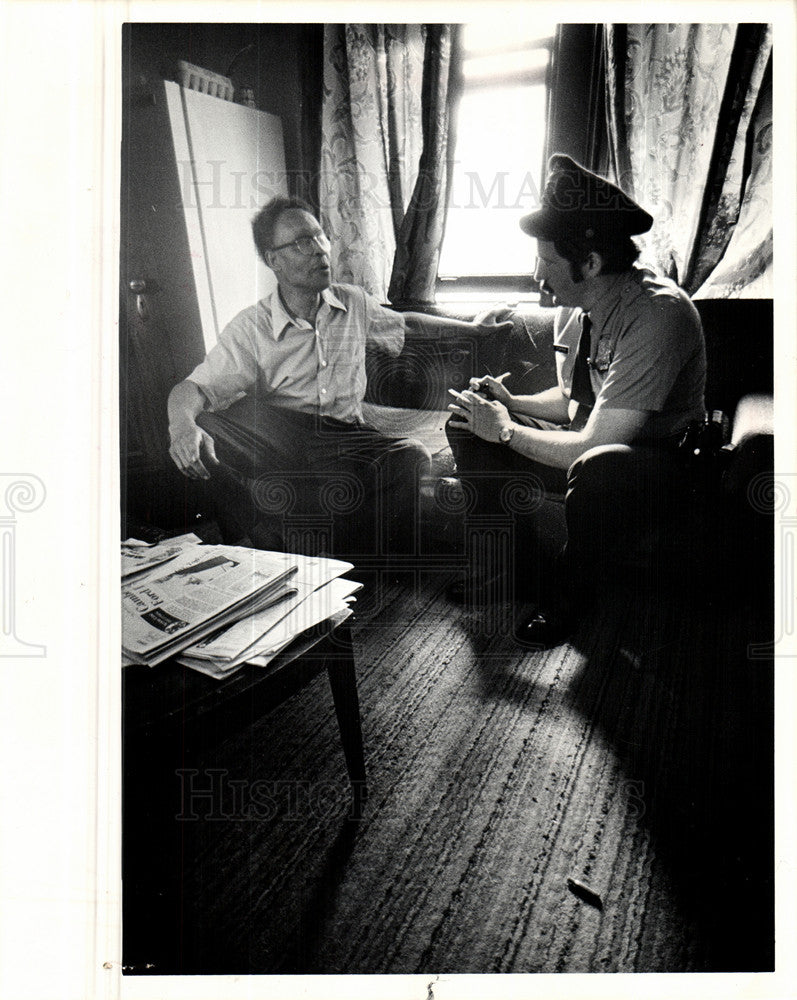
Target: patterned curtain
[(745, 270), (384, 154), (420, 237), (686, 107), (371, 144)]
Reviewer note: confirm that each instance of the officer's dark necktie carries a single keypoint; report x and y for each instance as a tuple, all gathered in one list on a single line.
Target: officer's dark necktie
[(581, 386)]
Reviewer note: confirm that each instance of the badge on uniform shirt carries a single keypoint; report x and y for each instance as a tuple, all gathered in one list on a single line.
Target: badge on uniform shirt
[(603, 356)]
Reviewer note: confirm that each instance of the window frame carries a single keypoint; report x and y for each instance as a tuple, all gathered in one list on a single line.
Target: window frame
[(520, 284)]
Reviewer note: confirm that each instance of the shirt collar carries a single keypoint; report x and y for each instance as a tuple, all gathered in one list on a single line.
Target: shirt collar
[(332, 300), (601, 309), (282, 318)]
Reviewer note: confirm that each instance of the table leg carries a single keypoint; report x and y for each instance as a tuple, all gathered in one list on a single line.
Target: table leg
[(343, 682)]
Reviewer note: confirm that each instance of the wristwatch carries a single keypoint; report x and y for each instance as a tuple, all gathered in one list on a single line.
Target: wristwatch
[(506, 434)]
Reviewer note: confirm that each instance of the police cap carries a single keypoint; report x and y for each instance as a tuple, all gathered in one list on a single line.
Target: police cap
[(579, 205)]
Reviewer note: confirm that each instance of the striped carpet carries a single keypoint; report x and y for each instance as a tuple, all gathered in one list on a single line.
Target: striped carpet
[(636, 759)]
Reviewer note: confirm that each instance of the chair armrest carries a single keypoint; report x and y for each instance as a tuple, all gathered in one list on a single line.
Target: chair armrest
[(750, 455), (754, 417)]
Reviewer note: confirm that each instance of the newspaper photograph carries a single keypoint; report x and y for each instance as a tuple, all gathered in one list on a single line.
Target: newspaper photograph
[(192, 592)]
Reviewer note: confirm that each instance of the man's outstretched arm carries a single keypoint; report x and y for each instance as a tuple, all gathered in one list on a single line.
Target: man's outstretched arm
[(188, 440), (423, 326)]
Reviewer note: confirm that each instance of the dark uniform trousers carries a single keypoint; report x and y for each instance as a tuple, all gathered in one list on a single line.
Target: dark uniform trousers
[(315, 484), (617, 505)]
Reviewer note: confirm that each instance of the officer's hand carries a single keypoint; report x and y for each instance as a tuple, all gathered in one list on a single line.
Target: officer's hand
[(187, 447), (484, 417), (496, 319), (493, 388)]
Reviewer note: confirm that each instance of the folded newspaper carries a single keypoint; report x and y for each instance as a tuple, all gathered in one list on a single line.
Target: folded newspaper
[(221, 605), (275, 628), (194, 594), (138, 556)]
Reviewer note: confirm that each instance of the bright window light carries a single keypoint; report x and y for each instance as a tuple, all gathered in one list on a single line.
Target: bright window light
[(495, 33), (499, 155), (503, 64)]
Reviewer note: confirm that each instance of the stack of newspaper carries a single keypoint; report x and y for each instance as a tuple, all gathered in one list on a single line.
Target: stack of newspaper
[(220, 606)]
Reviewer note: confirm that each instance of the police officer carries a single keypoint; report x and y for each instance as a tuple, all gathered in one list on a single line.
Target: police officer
[(631, 369)]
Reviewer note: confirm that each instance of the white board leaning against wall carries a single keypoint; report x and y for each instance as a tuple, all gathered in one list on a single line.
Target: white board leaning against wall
[(230, 160)]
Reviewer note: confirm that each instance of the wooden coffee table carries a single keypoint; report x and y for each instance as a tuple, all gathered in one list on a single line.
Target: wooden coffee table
[(171, 702), (175, 720)]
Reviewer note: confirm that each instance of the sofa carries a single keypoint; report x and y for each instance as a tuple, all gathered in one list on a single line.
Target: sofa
[(408, 395)]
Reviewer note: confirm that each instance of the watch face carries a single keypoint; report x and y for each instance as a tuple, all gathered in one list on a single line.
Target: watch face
[(505, 435)]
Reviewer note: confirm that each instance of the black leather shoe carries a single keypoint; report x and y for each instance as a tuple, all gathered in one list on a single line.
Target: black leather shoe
[(545, 629)]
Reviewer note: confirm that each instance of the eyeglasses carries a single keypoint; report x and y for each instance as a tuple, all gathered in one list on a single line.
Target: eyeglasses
[(306, 245)]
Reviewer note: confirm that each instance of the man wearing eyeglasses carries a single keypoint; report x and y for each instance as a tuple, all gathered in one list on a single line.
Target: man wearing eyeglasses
[(297, 359)]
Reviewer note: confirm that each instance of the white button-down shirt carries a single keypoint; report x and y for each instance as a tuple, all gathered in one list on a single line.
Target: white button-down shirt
[(294, 364)]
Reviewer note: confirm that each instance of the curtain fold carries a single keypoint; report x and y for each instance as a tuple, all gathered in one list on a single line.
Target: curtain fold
[(420, 235), (576, 112), (371, 144), (745, 267), (681, 107), (384, 154)]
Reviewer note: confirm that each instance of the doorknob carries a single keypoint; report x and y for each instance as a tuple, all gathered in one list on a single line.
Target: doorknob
[(141, 287)]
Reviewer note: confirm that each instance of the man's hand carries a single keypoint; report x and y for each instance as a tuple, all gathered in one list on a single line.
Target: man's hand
[(493, 388), (496, 319), (187, 447), (485, 418)]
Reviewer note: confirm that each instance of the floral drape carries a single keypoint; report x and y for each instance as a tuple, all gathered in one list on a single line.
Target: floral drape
[(420, 237), (745, 269), (383, 154), (688, 119), (371, 144)]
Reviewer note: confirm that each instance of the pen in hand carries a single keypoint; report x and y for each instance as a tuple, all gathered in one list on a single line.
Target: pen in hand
[(480, 385)]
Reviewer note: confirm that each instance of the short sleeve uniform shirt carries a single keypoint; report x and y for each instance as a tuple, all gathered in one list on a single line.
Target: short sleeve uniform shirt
[(291, 363), (647, 351)]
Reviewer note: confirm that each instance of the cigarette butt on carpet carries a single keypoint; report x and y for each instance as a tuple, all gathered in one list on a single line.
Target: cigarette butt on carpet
[(585, 893)]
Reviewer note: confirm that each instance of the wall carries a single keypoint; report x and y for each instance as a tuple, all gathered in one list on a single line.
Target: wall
[(278, 60)]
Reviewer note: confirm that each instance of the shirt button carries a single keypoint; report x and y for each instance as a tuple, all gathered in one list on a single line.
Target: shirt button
[(323, 392), (323, 364)]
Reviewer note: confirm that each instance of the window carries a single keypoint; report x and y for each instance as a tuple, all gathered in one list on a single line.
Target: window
[(499, 157)]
